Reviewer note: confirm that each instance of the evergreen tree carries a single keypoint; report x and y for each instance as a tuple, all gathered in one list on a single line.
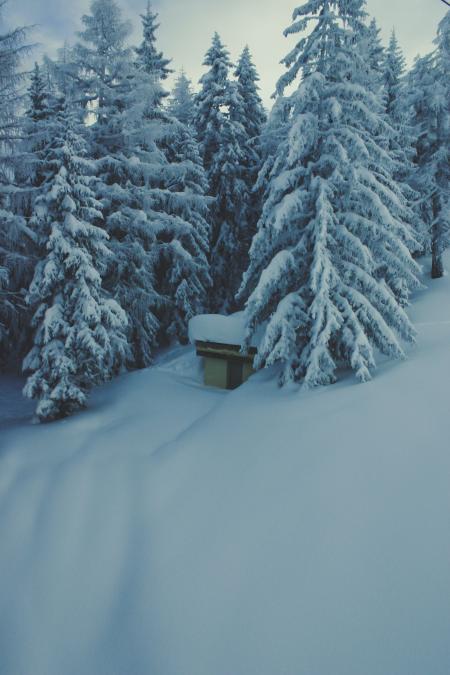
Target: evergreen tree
[(99, 62), (15, 236), (174, 187), (183, 276), (36, 126), (252, 117), (441, 169), (394, 68), (38, 96), (212, 100), (274, 132), (181, 104), (103, 66), (253, 114), (396, 108), (27, 173), (401, 139), (430, 99), (222, 138), (13, 47), (148, 57), (330, 261), (376, 54), (231, 215), (79, 336), (153, 199)]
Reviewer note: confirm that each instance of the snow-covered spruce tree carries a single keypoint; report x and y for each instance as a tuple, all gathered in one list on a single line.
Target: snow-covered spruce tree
[(148, 57), (27, 170), (441, 195), (183, 277), (30, 165), (153, 199), (376, 54), (16, 239), (222, 140), (99, 62), (231, 217), (177, 204), (421, 81), (273, 134), (181, 104), (251, 115), (329, 259), (394, 68), (79, 338), (212, 100), (102, 66), (400, 141), (428, 93), (13, 47)]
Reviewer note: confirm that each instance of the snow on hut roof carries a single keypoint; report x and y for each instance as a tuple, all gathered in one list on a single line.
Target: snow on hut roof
[(229, 330)]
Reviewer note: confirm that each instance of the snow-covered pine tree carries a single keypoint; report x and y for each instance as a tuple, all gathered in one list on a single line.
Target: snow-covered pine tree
[(376, 53), (102, 66), (429, 95), (394, 68), (36, 134), (222, 140), (181, 104), (252, 117), (38, 96), (148, 57), (173, 190), (212, 100), (401, 140), (99, 62), (27, 168), (231, 211), (330, 258), (441, 196), (15, 237), (183, 277), (253, 113), (397, 108), (153, 200), (13, 47), (79, 338), (420, 91), (274, 132)]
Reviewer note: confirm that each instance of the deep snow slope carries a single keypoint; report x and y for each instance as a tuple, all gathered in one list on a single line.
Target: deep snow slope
[(176, 530)]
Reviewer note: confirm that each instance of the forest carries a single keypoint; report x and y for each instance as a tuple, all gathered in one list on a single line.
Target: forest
[(126, 209)]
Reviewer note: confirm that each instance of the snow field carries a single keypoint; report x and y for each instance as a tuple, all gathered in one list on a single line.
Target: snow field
[(179, 530)]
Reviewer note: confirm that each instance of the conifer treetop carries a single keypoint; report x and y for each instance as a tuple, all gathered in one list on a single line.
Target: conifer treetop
[(104, 27), (253, 114), (148, 57), (181, 104), (217, 54)]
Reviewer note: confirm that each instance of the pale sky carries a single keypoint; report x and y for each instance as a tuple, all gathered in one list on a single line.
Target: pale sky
[(187, 27)]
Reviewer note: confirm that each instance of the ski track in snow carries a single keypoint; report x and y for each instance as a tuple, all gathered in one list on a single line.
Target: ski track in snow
[(177, 530)]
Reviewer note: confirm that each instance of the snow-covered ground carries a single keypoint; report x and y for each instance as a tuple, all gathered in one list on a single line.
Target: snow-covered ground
[(177, 530)]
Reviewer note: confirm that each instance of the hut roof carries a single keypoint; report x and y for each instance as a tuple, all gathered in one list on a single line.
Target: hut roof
[(229, 330)]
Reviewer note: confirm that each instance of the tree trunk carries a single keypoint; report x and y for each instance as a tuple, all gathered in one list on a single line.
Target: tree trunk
[(437, 267)]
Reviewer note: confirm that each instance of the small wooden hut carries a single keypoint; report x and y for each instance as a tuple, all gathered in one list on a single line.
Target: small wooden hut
[(218, 340)]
